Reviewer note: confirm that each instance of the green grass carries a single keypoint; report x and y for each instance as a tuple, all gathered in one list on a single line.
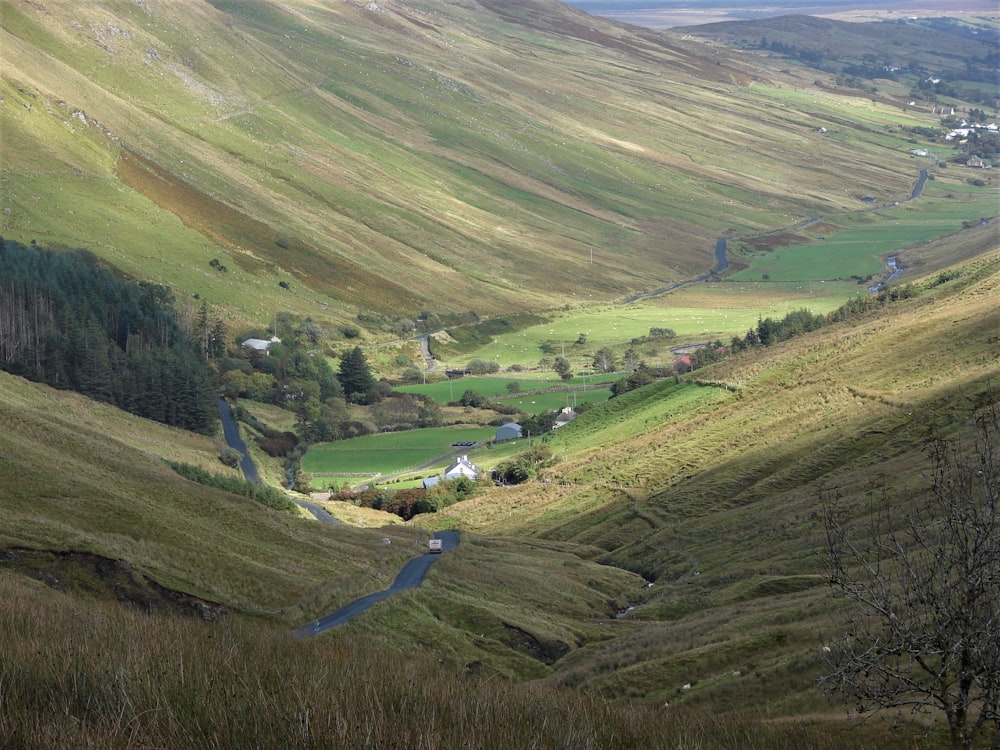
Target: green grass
[(708, 489), (707, 312), (531, 398), (857, 245), (546, 402), (446, 391), (390, 452), (391, 172), (596, 188)]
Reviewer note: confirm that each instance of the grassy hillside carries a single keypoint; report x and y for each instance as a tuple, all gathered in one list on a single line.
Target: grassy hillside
[(661, 584), (417, 156), (706, 490), (710, 489)]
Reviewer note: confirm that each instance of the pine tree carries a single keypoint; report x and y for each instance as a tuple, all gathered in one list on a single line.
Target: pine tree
[(355, 376)]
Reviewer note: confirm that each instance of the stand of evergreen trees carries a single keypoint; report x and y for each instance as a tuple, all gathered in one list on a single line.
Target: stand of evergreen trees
[(68, 320)]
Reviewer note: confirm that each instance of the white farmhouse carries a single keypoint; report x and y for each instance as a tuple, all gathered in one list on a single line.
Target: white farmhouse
[(462, 467)]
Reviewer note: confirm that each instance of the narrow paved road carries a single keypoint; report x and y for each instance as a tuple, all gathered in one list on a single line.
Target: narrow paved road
[(411, 576), (319, 512), (233, 440), (231, 432), (425, 351), (721, 264)]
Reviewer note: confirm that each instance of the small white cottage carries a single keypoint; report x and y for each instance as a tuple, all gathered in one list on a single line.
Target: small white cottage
[(462, 467), (260, 345)]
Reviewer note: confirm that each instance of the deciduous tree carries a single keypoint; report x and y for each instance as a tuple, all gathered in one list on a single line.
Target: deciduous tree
[(923, 580)]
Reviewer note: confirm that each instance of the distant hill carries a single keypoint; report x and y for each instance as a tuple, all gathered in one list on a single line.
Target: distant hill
[(935, 47), (401, 157)]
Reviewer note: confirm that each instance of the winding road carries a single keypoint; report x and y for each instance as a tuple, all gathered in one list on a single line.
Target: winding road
[(234, 440), (414, 572), (722, 262), (411, 576)]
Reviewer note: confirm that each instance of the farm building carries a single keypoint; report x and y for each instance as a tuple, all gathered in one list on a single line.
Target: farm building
[(462, 467), (682, 364), (566, 416), (260, 345), (509, 431)]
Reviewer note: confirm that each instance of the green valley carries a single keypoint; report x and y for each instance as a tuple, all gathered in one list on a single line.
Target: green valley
[(383, 231)]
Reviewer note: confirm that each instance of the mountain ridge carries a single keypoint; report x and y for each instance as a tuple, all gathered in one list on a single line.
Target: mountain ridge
[(400, 150)]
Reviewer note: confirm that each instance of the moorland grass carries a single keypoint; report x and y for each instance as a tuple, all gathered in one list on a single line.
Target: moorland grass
[(712, 491), (124, 679), (711, 495), (707, 489), (367, 161)]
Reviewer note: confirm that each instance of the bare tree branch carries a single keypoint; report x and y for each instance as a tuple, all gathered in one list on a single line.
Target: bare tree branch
[(923, 576)]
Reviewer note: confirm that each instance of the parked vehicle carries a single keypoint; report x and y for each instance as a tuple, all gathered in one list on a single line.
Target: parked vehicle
[(434, 546)]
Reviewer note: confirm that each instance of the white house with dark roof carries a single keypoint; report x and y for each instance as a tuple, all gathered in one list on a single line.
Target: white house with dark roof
[(566, 416), (462, 467)]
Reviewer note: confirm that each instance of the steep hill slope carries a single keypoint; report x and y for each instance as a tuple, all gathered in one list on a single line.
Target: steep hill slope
[(409, 155), (710, 488)]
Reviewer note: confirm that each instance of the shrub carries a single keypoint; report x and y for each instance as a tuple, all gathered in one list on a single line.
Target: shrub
[(231, 457), (482, 367), (260, 493)]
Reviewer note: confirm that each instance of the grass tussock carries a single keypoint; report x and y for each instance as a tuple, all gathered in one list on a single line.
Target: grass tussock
[(125, 680)]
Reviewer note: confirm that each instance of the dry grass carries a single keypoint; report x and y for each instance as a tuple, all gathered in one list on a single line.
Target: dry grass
[(715, 497), (83, 674), (707, 490)]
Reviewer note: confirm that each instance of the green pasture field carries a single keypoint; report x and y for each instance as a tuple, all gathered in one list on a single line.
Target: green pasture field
[(452, 390), (857, 244), (390, 452), (536, 403), (485, 458), (493, 387), (818, 276), (364, 460), (323, 482), (700, 313)]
